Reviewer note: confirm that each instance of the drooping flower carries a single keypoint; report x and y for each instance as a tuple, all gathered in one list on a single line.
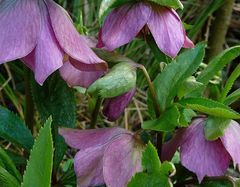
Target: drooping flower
[(41, 34), (125, 22), (108, 156), (114, 107), (203, 157), (76, 77)]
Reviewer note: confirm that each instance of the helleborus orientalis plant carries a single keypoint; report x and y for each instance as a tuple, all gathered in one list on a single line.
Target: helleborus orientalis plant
[(135, 103)]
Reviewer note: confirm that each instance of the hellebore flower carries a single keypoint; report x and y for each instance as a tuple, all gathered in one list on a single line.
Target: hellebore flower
[(114, 107), (108, 156), (125, 22), (203, 157), (76, 77), (41, 34)]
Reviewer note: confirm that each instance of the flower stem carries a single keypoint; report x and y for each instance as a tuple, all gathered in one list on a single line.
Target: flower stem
[(95, 113), (29, 106), (152, 91), (155, 106)]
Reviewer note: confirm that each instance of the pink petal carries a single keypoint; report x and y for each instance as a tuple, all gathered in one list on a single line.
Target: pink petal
[(75, 77), (122, 159), (188, 43), (82, 139), (88, 166), (123, 24), (169, 148), (167, 30), (73, 44), (47, 57), (231, 141), (114, 107), (205, 158), (20, 24)]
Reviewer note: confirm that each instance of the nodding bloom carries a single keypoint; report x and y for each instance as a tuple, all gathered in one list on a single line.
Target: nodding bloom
[(41, 34), (108, 156), (128, 20), (114, 107), (203, 157)]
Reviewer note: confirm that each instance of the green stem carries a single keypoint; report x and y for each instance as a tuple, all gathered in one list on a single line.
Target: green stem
[(95, 113), (152, 91), (29, 106), (235, 74), (155, 106)]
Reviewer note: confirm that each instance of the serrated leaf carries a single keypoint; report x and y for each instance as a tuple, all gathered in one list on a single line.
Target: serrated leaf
[(55, 98), (213, 68), (186, 116), (229, 83), (39, 168), (188, 86), (7, 180), (169, 3), (210, 107), (218, 63), (8, 165), (154, 173), (150, 160), (14, 130), (232, 97), (168, 82), (167, 122), (120, 79), (214, 127)]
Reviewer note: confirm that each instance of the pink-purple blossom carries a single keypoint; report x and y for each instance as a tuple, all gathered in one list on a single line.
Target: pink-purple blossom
[(41, 34), (108, 156), (125, 22), (203, 157)]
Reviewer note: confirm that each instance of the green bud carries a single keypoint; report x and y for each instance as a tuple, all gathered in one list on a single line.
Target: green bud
[(188, 86), (120, 79)]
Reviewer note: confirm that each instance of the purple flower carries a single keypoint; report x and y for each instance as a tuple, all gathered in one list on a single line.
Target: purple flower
[(114, 107), (108, 156), (41, 34), (76, 77), (203, 157), (125, 22)]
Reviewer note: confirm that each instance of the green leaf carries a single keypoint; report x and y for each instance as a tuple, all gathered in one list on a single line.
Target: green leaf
[(14, 130), (210, 107), (188, 86), (214, 127), (234, 75), (167, 122), (218, 63), (8, 164), (203, 17), (55, 98), (232, 97), (150, 160), (120, 79), (154, 173), (169, 3), (107, 5), (186, 116), (39, 168), (7, 180), (168, 82)]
